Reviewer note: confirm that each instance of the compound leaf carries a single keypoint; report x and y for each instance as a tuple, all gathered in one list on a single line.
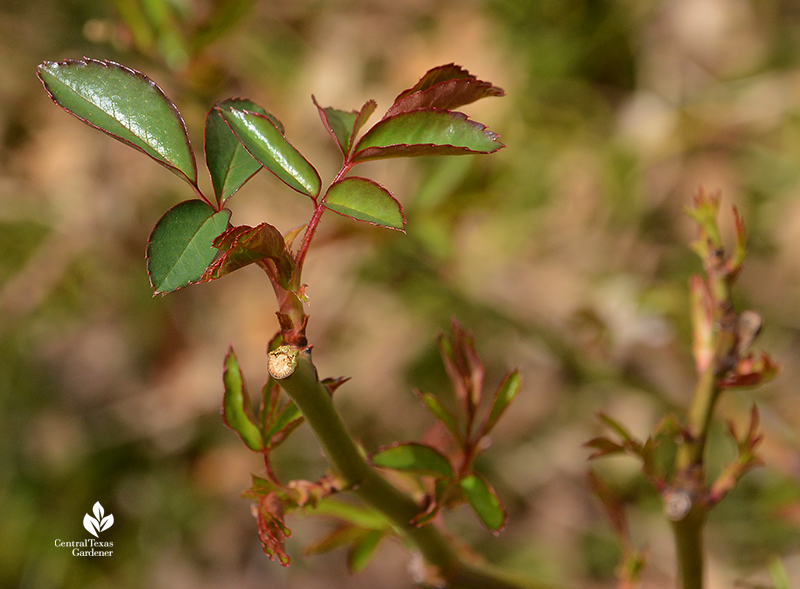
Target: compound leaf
[(267, 144), (425, 132), (180, 246), (484, 502), (124, 103), (236, 412), (414, 457), (365, 200)]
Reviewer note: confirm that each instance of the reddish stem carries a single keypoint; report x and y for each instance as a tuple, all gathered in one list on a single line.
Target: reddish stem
[(319, 208)]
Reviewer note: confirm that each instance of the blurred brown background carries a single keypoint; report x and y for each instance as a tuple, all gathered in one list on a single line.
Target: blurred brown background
[(565, 253)]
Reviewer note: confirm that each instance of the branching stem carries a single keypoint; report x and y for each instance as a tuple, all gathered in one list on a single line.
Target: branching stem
[(348, 463)]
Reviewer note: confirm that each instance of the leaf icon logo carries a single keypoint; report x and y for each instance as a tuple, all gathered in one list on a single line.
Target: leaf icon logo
[(98, 523)]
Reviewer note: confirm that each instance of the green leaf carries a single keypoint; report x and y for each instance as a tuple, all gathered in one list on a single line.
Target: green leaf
[(365, 200), (504, 394), (414, 457), (227, 160), (484, 502), (344, 126), (244, 245), (363, 549), (425, 132), (236, 412), (442, 413), (438, 90), (286, 421), (124, 103), (266, 143), (180, 246)]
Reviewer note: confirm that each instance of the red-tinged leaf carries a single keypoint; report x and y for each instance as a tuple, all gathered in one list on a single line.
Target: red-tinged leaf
[(365, 200), (245, 245), (333, 384), (503, 396), (124, 103), (286, 421), (267, 144), (425, 132), (227, 160), (603, 447), (236, 412), (344, 126), (363, 550), (272, 531), (620, 429), (464, 367), (434, 76), (446, 95), (440, 412), (413, 457), (434, 505), (485, 502), (180, 246)]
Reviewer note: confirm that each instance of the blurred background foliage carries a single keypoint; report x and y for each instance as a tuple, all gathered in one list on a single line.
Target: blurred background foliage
[(566, 254)]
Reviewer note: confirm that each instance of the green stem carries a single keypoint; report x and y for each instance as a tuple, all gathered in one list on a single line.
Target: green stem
[(690, 453), (689, 547), (316, 405)]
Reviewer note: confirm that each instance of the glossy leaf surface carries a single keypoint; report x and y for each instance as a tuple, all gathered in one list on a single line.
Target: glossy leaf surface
[(265, 142), (435, 76), (124, 103), (180, 246), (413, 457), (437, 89), (244, 245), (484, 501), (236, 410), (425, 132), (344, 126), (365, 200), (227, 160)]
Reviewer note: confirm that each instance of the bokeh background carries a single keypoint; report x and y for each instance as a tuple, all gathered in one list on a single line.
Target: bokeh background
[(565, 253)]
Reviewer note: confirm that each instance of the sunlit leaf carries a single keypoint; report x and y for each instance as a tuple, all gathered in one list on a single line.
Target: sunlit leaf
[(244, 245), (434, 76), (180, 246), (236, 412), (425, 132), (484, 502), (228, 162), (344, 126), (124, 103), (414, 457), (438, 89), (504, 394), (266, 143), (365, 200)]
